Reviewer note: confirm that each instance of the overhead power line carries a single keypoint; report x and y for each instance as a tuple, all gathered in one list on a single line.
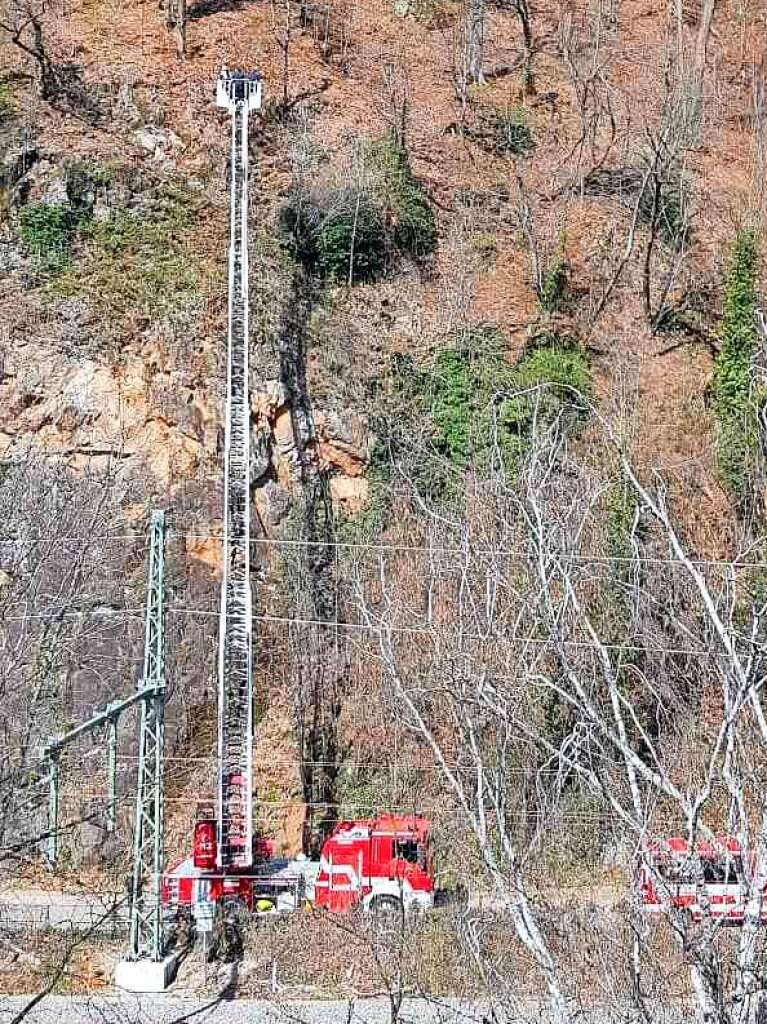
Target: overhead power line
[(357, 765), (424, 549), (371, 806), (426, 631), (494, 638)]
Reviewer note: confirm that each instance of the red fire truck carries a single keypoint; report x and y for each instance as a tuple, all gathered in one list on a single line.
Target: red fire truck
[(707, 882), (379, 864)]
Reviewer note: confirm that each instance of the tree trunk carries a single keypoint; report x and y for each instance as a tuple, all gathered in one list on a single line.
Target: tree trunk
[(175, 22), (699, 69), (704, 32), (48, 79), (523, 14), (180, 27), (475, 40)]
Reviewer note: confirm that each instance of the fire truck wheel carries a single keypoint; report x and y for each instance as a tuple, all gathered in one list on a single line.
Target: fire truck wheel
[(385, 906)]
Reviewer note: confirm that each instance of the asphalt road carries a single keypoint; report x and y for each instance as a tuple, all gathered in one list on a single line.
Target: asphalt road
[(170, 1010)]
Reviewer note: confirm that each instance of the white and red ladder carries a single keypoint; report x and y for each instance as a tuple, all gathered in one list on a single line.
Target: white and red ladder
[(240, 93)]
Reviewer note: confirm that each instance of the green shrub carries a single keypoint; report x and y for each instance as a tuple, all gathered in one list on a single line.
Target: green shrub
[(137, 259), (504, 131), (339, 234), (734, 404), (560, 362), (350, 234), (351, 241), (407, 209), (553, 288), (453, 404), (6, 101), (465, 411), (557, 362), (472, 400), (621, 509), (136, 262), (121, 230), (47, 230)]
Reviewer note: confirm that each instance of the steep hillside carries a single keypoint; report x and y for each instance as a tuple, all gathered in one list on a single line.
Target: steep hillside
[(137, 364), (491, 260)]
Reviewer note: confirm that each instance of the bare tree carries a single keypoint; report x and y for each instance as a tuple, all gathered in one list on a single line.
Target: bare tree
[(475, 15), (65, 648), (593, 95), (522, 10), (25, 25), (330, 24), (175, 15), (55, 572), (658, 194), (759, 143), (532, 647), (282, 27), (397, 89)]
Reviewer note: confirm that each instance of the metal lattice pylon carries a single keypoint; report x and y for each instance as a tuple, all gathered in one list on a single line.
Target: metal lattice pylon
[(146, 913)]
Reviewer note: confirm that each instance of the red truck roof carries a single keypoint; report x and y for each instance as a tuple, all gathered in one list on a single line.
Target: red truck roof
[(680, 846), (397, 824)]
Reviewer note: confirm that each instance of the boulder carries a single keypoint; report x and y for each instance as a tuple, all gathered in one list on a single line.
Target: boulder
[(18, 154), (157, 141), (350, 493), (342, 441)]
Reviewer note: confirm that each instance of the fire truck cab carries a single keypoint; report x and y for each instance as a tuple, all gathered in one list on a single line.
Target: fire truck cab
[(706, 882), (378, 863)]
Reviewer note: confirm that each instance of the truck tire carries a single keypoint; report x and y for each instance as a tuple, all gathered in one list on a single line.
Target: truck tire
[(385, 906)]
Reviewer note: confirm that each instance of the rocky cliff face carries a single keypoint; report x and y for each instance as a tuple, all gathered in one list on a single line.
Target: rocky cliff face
[(114, 368), (96, 383), (527, 184)]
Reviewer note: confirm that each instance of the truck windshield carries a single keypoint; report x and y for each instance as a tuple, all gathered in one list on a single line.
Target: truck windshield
[(713, 872), (408, 850)]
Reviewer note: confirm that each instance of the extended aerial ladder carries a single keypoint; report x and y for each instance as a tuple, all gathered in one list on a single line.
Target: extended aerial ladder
[(240, 93), (361, 862)]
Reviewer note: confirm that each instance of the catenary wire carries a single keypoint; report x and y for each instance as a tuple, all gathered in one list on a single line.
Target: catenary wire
[(431, 550), (432, 630), (403, 807), (406, 630)]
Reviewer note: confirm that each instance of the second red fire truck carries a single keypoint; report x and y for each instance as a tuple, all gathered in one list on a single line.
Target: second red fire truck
[(707, 881)]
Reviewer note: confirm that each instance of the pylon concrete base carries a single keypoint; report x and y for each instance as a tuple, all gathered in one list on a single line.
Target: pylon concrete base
[(146, 975)]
